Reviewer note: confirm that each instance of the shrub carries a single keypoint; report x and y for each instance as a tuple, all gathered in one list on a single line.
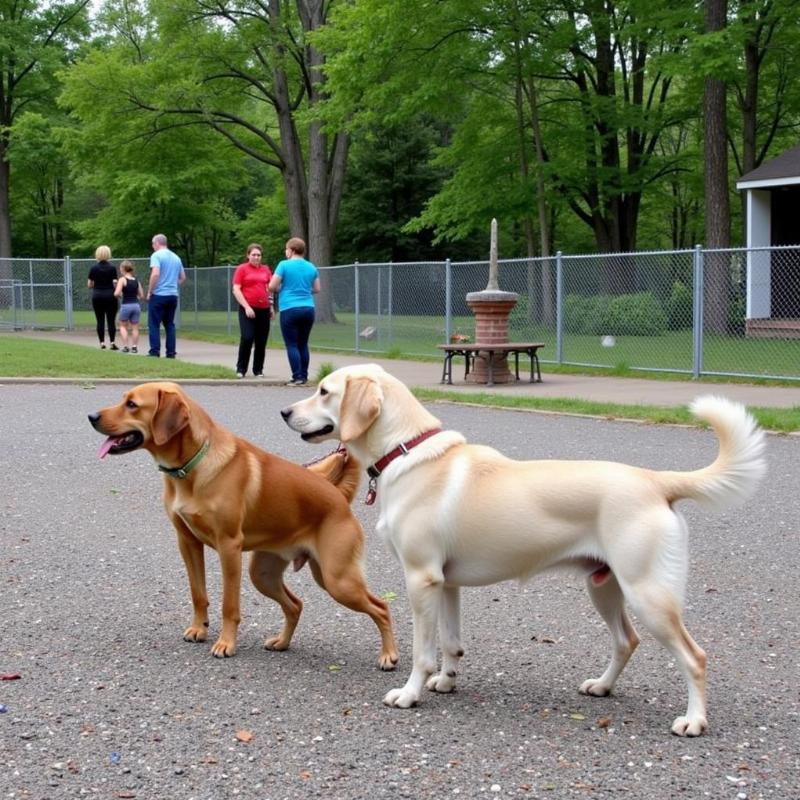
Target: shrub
[(585, 314), (680, 307), (635, 315)]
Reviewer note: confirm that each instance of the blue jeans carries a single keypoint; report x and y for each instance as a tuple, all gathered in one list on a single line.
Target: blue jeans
[(161, 310), (296, 326)]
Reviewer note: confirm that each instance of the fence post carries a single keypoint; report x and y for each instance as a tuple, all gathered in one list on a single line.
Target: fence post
[(559, 309), (228, 298), (196, 316), (697, 313), (358, 304), (33, 303), (448, 301), (70, 317)]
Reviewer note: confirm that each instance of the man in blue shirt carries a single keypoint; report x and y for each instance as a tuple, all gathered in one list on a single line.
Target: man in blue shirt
[(166, 275)]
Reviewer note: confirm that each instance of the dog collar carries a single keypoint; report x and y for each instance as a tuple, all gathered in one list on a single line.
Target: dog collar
[(380, 465), (182, 472)]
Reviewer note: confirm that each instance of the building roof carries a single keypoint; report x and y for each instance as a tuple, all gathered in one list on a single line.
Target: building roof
[(780, 171)]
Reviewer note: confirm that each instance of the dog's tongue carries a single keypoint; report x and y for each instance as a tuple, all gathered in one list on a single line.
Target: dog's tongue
[(105, 447)]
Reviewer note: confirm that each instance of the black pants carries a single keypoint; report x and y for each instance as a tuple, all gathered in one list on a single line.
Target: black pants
[(105, 311), (253, 335)]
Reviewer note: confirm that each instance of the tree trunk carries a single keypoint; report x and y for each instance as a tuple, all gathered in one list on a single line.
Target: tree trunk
[(717, 201)]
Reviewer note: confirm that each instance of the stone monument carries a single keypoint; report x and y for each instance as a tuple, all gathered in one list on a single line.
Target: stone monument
[(491, 308)]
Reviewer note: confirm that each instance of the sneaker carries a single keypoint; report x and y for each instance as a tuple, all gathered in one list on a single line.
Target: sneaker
[(294, 382), (258, 374), (134, 349), (240, 374), (102, 346), (113, 346), (126, 350), (172, 356)]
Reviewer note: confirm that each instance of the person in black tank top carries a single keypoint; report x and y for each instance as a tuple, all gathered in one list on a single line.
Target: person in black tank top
[(131, 292)]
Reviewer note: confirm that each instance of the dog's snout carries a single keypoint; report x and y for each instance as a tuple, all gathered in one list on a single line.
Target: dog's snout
[(94, 418), (286, 413)]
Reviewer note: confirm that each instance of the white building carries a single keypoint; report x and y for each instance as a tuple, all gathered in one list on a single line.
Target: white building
[(773, 220)]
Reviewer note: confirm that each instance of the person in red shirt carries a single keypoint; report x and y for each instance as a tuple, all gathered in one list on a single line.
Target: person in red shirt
[(250, 283)]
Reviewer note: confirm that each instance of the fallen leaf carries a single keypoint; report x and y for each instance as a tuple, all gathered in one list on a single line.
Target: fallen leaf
[(10, 676), (244, 736), (603, 722), (305, 775), (389, 596), (334, 667), (577, 716)]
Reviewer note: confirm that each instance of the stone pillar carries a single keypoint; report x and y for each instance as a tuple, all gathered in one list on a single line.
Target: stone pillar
[(491, 309)]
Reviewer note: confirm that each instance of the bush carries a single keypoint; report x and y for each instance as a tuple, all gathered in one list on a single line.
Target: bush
[(635, 315), (680, 307), (585, 314)]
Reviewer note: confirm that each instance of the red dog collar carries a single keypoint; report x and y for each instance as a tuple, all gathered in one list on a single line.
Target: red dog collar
[(380, 465)]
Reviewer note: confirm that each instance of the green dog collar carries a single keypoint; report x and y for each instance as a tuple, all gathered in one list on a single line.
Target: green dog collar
[(182, 472)]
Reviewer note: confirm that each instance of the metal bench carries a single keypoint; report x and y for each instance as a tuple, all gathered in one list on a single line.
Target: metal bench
[(487, 351)]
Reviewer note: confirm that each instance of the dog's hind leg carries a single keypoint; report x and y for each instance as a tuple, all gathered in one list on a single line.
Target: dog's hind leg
[(660, 611), (450, 641), (266, 573), (610, 603), (344, 581)]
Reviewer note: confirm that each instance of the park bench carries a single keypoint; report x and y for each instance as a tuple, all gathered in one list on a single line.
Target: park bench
[(487, 352)]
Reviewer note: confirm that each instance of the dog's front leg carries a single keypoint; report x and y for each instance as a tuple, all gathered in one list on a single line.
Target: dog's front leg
[(425, 593), (450, 641), (230, 557), (193, 553)]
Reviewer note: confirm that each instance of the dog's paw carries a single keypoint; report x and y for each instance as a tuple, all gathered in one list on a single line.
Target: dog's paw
[(401, 698), (595, 687), (689, 726), (276, 643), (387, 661), (195, 634), (441, 682), (223, 648)]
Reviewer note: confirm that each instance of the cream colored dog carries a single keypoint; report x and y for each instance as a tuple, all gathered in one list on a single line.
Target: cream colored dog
[(457, 514)]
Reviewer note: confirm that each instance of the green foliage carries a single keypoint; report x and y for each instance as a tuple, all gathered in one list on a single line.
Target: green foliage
[(586, 314), (636, 314), (680, 307)]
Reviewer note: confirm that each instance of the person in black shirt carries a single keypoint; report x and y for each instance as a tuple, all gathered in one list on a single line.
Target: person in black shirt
[(102, 280), (131, 292)]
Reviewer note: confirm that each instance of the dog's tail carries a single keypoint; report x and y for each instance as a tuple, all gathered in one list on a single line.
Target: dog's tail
[(739, 466), (341, 469)]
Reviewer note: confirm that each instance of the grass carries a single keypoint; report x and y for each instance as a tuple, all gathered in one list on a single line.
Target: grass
[(28, 358), (401, 336), (780, 420), (23, 357)]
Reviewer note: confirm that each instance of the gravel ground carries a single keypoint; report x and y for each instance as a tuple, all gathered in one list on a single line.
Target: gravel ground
[(112, 703)]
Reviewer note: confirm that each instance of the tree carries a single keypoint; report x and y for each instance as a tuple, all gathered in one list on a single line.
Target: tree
[(35, 40), (247, 71), (717, 203)]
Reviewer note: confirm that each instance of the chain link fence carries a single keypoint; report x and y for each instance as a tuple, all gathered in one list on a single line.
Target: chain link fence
[(699, 312)]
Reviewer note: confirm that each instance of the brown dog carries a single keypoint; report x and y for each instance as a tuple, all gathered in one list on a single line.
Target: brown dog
[(223, 492)]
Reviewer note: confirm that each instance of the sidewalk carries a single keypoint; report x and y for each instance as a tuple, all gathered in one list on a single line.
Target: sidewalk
[(633, 391)]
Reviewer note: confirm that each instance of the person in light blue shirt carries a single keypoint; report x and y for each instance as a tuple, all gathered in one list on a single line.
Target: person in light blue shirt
[(297, 281), (166, 276)]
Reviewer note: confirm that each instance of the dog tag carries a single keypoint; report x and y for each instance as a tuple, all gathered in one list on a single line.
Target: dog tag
[(372, 492)]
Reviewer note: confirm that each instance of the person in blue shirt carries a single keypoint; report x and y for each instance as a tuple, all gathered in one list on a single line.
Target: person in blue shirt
[(296, 281), (166, 276)]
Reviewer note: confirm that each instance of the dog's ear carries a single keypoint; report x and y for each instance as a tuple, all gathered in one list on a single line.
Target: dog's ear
[(172, 416), (361, 405)]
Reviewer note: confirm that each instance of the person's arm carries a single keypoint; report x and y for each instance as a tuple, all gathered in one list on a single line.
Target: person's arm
[(140, 293), (120, 286), (275, 283), (182, 276), (315, 287), (90, 283), (237, 293), (155, 273)]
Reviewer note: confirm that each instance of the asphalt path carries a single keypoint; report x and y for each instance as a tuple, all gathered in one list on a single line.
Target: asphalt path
[(112, 703)]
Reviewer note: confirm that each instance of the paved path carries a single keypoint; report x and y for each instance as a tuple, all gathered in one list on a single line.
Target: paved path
[(636, 391), (112, 703)]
